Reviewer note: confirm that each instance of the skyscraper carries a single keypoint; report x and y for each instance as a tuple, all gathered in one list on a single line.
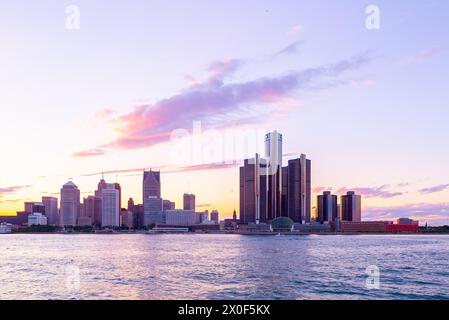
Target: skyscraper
[(168, 205), (70, 204), (214, 216), (92, 210), (273, 154), (110, 211), (153, 210), (351, 207), (299, 189), (51, 210), (327, 207), (253, 190), (151, 184), (189, 201)]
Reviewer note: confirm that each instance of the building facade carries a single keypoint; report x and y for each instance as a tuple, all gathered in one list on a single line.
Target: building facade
[(70, 204), (189, 201), (110, 208), (153, 210), (351, 207), (327, 210), (51, 210)]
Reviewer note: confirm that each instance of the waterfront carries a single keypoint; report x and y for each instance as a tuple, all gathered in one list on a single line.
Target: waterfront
[(217, 266)]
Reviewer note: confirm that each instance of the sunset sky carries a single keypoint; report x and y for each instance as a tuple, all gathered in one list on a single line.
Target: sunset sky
[(368, 107)]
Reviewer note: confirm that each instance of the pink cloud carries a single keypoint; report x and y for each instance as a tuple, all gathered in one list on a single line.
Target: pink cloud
[(150, 124), (11, 190), (371, 192), (89, 153)]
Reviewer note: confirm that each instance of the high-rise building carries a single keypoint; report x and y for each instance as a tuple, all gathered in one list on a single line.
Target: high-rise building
[(327, 207), (189, 201), (299, 191), (131, 204), (70, 204), (110, 211), (51, 210), (153, 211), (273, 154), (214, 216), (253, 191), (38, 207), (168, 205), (28, 207), (92, 214), (151, 184), (351, 207), (127, 219), (268, 190), (102, 184)]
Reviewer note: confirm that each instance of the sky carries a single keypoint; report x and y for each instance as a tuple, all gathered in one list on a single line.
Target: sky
[(97, 86)]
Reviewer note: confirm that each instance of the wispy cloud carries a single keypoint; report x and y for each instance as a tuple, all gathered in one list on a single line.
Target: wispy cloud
[(434, 189), (169, 169), (89, 153), (372, 192), (215, 103), (294, 30), (11, 190)]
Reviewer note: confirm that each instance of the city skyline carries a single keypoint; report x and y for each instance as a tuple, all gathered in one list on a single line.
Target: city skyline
[(370, 113)]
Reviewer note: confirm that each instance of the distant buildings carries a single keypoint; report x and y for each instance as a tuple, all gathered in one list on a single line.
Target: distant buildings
[(151, 195), (51, 210), (168, 205), (110, 206), (37, 219), (181, 217), (351, 207), (91, 214), (153, 210), (70, 204), (126, 219), (327, 207), (268, 190), (151, 184), (214, 216), (189, 201)]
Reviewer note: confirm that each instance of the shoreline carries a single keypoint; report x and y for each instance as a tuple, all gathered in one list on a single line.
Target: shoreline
[(268, 234)]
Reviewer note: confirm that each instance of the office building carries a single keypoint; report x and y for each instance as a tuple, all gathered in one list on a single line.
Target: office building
[(70, 204), (151, 184), (37, 219), (51, 210), (153, 210), (351, 207), (299, 189), (327, 207), (273, 154), (189, 201), (91, 213), (214, 216), (126, 218), (110, 211), (253, 191), (168, 205), (181, 217)]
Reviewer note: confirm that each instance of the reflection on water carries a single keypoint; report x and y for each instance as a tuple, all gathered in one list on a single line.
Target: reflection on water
[(221, 267)]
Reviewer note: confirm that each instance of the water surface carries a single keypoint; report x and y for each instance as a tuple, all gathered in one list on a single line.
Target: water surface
[(222, 267)]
